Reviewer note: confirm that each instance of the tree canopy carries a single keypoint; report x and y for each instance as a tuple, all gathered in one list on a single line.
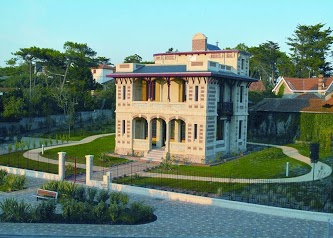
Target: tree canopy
[(310, 46), (133, 59), (48, 81)]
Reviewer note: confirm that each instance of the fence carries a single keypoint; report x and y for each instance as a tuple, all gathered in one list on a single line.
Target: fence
[(311, 196)]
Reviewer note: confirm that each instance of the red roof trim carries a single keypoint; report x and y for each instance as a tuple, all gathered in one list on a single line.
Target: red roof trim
[(181, 74)]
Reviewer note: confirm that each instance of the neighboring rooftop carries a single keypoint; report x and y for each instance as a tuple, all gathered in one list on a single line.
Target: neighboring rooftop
[(307, 83), (281, 105), (257, 86)]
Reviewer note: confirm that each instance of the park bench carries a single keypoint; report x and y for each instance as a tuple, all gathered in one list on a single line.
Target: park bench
[(46, 194)]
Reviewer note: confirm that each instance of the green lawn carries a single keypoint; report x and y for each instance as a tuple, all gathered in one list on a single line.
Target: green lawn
[(304, 149), (17, 160), (96, 148), (79, 133), (189, 185), (268, 163)]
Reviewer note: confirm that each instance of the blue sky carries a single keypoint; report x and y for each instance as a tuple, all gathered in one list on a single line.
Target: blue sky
[(116, 29)]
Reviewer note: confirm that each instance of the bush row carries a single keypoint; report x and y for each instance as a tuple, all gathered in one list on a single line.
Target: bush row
[(79, 205), (11, 182)]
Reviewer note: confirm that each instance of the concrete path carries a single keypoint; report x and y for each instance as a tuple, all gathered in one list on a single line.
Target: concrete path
[(174, 219)]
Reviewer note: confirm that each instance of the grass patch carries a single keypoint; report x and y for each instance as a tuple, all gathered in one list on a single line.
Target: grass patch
[(304, 149), (79, 133), (98, 148), (178, 184), (268, 163), (17, 160)]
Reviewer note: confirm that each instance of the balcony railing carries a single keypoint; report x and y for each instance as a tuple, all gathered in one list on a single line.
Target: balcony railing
[(225, 109)]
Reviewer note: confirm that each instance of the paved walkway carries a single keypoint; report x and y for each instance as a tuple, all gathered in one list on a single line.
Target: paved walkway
[(174, 219)]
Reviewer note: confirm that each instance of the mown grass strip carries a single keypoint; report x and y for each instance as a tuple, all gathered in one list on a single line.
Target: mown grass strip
[(268, 163), (17, 160), (98, 148)]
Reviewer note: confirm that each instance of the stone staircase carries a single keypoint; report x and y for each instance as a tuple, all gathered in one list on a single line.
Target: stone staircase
[(155, 155)]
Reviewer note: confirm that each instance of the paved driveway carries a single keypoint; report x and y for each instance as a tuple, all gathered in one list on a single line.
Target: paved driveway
[(175, 219)]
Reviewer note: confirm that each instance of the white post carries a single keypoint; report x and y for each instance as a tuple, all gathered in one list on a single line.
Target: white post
[(61, 169), (107, 180), (42, 149), (89, 168), (287, 170)]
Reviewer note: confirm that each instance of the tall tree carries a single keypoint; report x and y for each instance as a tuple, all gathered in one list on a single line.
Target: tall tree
[(310, 47), (264, 63), (133, 59)]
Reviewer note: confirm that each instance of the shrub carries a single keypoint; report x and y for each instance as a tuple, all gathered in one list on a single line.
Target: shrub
[(44, 212), (138, 213), (102, 196), (90, 194), (100, 212), (14, 211), (14, 182), (119, 198), (114, 211), (79, 193), (77, 212), (3, 174)]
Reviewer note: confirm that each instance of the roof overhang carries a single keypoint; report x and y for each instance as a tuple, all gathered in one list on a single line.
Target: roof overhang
[(181, 74)]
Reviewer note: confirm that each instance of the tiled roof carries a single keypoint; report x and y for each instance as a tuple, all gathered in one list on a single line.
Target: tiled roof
[(212, 47), (307, 96), (319, 105), (257, 86), (306, 83), (161, 69), (281, 105)]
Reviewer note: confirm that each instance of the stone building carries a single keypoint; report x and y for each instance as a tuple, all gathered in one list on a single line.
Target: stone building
[(191, 105)]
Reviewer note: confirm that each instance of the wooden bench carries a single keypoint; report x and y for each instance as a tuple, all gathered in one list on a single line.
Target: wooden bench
[(46, 194)]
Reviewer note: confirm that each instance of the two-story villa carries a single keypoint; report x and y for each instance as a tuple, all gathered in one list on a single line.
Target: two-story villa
[(190, 105)]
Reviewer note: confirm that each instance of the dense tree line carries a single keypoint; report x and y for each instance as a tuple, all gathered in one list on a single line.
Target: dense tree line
[(310, 55), (43, 81)]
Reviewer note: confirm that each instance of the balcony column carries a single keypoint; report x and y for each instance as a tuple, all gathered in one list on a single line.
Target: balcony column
[(158, 133), (168, 83), (149, 89), (167, 141), (177, 130), (149, 134)]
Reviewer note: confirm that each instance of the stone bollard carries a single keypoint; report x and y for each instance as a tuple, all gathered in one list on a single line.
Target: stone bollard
[(89, 168), (61, 169), (107, 180)]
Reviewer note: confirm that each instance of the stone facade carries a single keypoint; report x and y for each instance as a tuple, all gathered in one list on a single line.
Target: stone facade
[(195, 110)]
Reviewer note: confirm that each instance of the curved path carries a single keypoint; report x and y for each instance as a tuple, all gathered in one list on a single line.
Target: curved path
[(319, 171)]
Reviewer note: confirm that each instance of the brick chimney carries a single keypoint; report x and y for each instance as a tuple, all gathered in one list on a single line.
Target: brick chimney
[(320, 82), (199, 42)]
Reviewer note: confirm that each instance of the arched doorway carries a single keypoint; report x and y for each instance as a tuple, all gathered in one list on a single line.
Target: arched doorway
[(158, 133)]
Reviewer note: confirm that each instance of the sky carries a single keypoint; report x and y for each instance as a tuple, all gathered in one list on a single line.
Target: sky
[(119, 28)]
